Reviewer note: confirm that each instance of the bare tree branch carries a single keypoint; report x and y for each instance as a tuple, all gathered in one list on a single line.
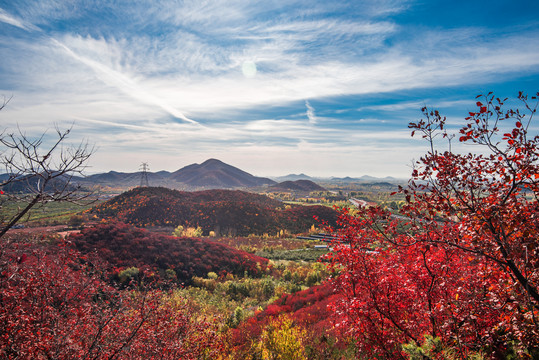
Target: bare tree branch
[(36, 173)]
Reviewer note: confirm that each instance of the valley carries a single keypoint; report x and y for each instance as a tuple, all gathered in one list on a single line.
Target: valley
[(231, 256)]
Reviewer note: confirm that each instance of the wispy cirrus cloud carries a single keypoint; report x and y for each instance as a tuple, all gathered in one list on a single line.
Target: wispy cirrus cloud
[(12, 20), (125, 84), (310, 112)]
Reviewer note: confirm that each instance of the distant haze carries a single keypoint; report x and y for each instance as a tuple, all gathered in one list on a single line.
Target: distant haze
[(214, 174)]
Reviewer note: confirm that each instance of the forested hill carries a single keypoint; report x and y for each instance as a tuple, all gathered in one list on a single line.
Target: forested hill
[(225, 212), (305, 186), (124, 246)]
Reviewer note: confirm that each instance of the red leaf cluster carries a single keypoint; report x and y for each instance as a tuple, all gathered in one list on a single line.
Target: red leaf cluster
[(55, 305), (309, 309), (124, 246), (461, 261)]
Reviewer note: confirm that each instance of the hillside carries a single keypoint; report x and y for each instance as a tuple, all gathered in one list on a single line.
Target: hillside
[(124, 246), (304, 186), (311, 308), (33, 183), (225, 212)]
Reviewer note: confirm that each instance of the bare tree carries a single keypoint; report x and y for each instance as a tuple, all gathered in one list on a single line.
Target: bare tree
[(4, 103), (36, 173)]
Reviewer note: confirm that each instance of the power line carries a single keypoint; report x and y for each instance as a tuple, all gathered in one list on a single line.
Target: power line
[(144, 174)]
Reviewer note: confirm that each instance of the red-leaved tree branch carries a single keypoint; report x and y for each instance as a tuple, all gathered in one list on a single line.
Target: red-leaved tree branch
[(487, 200), (460, 262)]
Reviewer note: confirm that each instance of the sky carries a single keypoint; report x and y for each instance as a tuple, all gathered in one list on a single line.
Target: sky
[(325, 88)]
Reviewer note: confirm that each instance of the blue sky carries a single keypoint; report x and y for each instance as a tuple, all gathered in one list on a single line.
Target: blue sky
[(273, 87)]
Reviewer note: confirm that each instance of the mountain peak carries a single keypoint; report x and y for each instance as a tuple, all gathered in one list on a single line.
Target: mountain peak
[(214, 173), (212, 161)]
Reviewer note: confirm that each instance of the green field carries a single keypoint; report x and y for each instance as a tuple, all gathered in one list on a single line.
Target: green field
[(46, 213)]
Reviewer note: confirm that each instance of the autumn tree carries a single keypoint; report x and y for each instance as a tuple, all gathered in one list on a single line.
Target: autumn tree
[(181, 231), (4, 102), (282, 340), (56, 305), (491, 195), (462, 261)]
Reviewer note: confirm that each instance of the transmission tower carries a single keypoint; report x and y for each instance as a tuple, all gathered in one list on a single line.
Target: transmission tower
[(144, 174)]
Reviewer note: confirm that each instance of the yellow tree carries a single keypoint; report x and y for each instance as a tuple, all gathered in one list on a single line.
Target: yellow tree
[(281, 340)]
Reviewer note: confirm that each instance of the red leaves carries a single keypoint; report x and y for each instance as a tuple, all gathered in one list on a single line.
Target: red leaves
[(398, 293), (56, 306), (212, 209), (457, 255), (311, 308), (126, 246)]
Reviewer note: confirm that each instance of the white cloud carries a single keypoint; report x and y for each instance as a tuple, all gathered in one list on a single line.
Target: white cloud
[(416, 105), (310, 112), (133, 66), (127, 84), (11, 20), (309, 30)]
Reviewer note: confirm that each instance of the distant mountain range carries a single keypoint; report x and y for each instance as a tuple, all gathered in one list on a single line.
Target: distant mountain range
[(293, 177), (365, 178), (211, 174), (348, 179), (34, 184)]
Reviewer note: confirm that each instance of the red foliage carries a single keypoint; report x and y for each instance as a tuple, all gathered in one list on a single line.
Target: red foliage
[(54, 305), (463, 265), (398, 294), (308, 308), (225, 212), (125, 246), (298, 219)]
